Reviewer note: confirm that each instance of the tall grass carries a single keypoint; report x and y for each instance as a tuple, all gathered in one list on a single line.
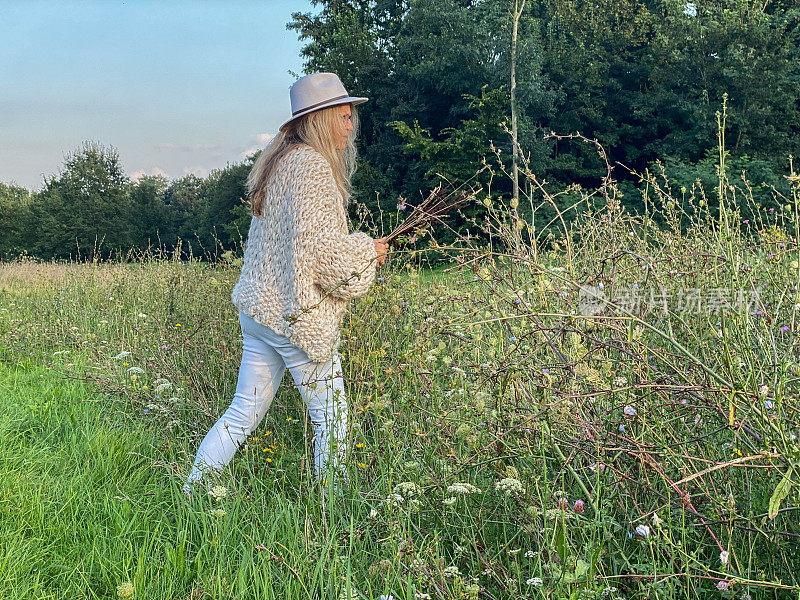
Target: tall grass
[(517, 430)]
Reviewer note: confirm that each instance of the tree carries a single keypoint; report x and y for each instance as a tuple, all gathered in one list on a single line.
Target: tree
[(85, 209), (14, 205), (152, 218)]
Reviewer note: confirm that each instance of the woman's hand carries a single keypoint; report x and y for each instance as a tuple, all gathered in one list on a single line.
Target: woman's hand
[(381, 247)]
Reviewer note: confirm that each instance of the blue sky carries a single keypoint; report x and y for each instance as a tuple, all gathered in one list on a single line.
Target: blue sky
[(176, 87)]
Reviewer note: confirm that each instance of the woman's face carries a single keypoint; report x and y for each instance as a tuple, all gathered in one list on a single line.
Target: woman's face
[(346, 125)]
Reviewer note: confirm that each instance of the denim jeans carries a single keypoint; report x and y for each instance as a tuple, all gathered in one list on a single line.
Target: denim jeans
[(265, 358)]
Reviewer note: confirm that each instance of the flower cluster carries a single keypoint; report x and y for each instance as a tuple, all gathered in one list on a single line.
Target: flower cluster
[(510, 485)]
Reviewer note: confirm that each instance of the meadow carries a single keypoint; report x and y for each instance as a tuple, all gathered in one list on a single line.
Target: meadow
[(608, 411)]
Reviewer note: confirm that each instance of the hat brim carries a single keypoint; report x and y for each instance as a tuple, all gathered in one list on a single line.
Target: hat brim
[(349, 100)]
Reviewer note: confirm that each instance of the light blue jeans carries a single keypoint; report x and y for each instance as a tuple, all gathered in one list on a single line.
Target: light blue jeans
[(265, 358)]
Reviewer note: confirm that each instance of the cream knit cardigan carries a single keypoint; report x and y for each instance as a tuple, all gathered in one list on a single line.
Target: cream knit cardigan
[(297, 254)]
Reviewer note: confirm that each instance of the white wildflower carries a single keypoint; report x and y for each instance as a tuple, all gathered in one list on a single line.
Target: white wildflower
[(218, 513), (530, 554), (657, 521), (462, 488), (135, 371), (121, 355), (510, 485), (162, 386), (643, 531), (449, 501), (421, 596), (763, 390), (218, 492), (620, 381), (394, 499), (451, 571), (125, 590), (535, 582), (724, 556), (407, 488)]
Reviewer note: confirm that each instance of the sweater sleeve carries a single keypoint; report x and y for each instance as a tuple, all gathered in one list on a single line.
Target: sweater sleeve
[(332, 255)]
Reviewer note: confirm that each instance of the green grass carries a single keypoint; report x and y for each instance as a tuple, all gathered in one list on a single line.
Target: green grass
[(89, 499)]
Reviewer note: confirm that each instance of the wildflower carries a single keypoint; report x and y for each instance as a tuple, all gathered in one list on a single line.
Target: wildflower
[(125, 590), (642, 531), (578, 506), (407, 488), (535, 582), (768, 404), (785, 328), (449, 501), (563, 503), (724, 556), (657, 521), (218, 513), (121, 355), (629, 411), (218, 492), (510, 486), (162, 386), (723, 585), (394, 499), (620, 381), (451, 571), (135, 371), (763, 390), (373, 513), (421, 596), (462, 488), (622, 428)]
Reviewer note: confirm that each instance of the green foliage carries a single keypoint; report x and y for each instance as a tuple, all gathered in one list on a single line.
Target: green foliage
[(152, 219), (85, 209), (14, 206)]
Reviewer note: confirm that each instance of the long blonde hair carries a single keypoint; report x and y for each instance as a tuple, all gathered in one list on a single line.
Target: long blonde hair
[(318, 129)]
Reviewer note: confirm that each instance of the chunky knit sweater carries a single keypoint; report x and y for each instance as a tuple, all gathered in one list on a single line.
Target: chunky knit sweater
[(298, 253)]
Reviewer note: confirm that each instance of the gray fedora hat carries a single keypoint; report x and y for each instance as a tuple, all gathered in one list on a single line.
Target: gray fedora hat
[(316, 91)]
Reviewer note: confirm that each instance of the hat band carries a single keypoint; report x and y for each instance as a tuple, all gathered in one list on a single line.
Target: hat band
[(319, 104)]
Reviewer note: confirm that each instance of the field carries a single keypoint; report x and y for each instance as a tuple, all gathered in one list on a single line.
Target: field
[(610, 413)]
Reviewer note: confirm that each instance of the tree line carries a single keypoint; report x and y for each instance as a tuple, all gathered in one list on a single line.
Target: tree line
[(645, 78)]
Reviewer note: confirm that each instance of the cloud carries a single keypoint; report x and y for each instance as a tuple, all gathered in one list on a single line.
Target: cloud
[(261, 139), (249, 151), (198, 171), (187, 147), (264, 138), (154, 172)]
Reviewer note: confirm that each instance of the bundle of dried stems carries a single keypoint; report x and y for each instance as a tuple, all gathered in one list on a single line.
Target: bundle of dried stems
[(436, 206)]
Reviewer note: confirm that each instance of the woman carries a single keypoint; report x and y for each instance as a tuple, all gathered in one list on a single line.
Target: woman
[(300, 268)]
